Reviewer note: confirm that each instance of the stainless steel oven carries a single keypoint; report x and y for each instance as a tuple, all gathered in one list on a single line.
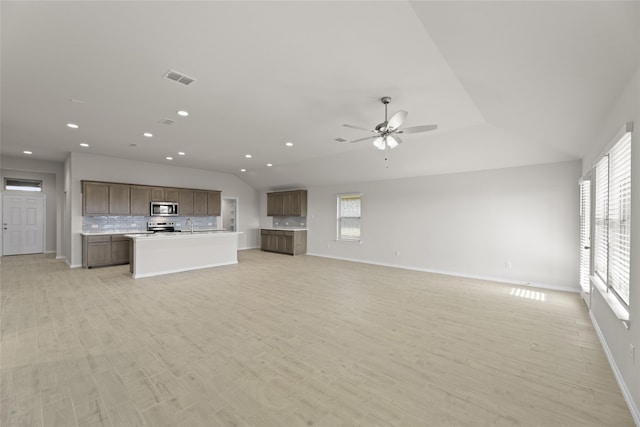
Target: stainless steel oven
[(164, 209)]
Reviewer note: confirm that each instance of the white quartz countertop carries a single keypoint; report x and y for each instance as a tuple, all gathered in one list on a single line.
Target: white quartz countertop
[(182, 235), (283, 228), (108, 232)]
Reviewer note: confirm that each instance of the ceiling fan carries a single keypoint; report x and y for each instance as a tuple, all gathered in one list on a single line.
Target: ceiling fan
[(387, 133)]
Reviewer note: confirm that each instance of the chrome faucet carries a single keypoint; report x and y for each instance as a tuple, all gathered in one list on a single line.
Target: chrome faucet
[(189, 223)]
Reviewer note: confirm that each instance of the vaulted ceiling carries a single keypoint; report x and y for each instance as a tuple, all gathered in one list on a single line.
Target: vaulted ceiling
[(507, 83)]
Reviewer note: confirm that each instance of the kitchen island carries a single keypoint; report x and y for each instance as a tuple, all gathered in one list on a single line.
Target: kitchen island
[(165, 253)]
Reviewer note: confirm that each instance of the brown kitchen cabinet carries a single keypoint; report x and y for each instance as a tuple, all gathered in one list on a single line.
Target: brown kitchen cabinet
[(119, 199), (287, 203), (163, 194), (185, 202), (200, 202), (104, 250), (107, 198), (95, 198), (140, 198), (291, 242), (214, 203)]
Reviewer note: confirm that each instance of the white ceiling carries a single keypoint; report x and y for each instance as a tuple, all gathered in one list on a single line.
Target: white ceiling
[(508, 83)]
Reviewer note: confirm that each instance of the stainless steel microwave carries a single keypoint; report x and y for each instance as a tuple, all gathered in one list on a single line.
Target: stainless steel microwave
[(164, 209)]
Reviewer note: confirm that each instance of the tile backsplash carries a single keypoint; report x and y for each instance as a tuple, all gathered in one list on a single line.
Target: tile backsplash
[(290, 221), (98, 224)]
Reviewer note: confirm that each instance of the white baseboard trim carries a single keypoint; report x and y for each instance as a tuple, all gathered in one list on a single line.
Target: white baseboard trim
[(49, 252), (635, 413), (457, 274), (246, 248)]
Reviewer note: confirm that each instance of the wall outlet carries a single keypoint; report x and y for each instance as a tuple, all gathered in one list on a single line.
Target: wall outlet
[(507, 265), (94, 225), (397, 252), (134, 225), (632, 350), (327, 246), (209, 223)]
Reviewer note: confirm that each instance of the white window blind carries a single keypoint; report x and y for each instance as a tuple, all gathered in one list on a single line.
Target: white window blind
[(585, 231), (619, 229), (601, 238), (349, 211)]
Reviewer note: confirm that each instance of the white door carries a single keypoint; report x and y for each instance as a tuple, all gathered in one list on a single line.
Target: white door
[(22, 224)]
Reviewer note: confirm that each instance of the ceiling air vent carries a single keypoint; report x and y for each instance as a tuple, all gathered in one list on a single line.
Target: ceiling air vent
[(341, 140), (167, 121), (179, 77)]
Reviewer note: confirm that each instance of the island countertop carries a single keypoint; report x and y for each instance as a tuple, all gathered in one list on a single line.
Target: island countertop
[(165, 253)]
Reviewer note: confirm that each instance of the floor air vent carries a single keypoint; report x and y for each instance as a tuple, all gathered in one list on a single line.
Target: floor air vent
[(167, 121), (179, 77)]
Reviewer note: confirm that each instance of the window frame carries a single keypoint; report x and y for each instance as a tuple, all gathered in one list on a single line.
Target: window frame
[(339, 200), (601, 278), (31, 189)]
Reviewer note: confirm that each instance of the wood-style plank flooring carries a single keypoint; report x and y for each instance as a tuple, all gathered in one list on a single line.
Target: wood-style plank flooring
[(294, 341)]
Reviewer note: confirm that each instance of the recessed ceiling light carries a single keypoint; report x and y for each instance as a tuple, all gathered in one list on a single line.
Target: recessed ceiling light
[(148, 134), (243, 170), (84, 144), (72, 125), (181, 153), (183, 113), (27, 152), (269, 165), (169, 158), (248, 156), (289, 144)]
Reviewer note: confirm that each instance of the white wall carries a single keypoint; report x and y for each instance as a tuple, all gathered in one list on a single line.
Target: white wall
[(51, 175), (617, 338), (467, 224), (100, 168)]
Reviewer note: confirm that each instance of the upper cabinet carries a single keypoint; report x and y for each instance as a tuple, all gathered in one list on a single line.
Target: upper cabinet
[(105, 198), (287, 203), (185, 202), (95, 198), (140, 198), (214, 203), (162, 194)]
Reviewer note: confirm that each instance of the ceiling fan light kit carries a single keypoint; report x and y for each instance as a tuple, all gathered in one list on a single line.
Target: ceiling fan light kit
[(387, 133)]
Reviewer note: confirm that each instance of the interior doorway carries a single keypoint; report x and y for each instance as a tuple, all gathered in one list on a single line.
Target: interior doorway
[(230, 213), (23, 223)]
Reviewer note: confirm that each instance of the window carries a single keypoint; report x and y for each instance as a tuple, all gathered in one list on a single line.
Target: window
[(612, 240), (349, 206), (585, 232), (22, 184)]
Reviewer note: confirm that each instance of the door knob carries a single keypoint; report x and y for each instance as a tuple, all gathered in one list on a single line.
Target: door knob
[(587, 247)]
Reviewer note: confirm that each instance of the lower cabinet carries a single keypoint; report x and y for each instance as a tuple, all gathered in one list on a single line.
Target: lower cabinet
[(284, 241), (103, 250)]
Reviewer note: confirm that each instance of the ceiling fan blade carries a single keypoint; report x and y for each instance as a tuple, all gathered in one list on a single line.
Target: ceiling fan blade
[(397, 120), (393, 141), (363, 139), (357, 127), (416, 129), (379, 143)]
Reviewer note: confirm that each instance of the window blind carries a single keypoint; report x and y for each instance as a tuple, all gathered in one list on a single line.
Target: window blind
[(585, 231), (601, 237), (619, 217)]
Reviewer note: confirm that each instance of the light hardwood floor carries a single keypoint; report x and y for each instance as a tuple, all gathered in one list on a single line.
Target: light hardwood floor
[(294, 341)]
